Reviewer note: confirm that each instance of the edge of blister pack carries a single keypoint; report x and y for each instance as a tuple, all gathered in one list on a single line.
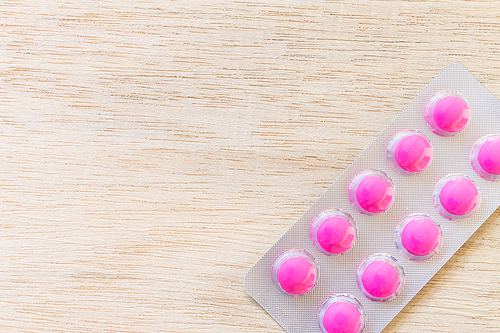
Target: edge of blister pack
[(375, 234)]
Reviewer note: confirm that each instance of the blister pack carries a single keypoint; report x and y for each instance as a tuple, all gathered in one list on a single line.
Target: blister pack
[(392, 219)]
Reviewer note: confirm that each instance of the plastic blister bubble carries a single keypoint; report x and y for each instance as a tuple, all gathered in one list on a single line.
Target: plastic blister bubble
[(418, 237), (485, 157), (380, 277), (447, 113), (342, 313), (333, 232), (371, 192), (456, 197), (294, 273), (409, 153)]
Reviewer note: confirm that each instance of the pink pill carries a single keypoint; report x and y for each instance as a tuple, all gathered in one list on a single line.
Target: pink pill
[(447, 113), (380, 277), (485, 158), (294, 273), (418, 237), (342, 314), (371, 192), (333, 232), (456, 197), (409, 153)]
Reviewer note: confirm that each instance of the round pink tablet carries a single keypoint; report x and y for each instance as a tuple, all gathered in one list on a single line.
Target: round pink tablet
[(409, 152), (456, 197), (342, 314), (418, 237), (485, 158), (333, 232), (380, 277), (371, 192), (447, 113), (294, 273)]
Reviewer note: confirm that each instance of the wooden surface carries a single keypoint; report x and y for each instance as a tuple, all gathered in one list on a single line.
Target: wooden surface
[(152, 151)]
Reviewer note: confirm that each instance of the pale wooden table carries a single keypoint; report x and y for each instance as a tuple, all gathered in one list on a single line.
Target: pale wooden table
[(152, 151)]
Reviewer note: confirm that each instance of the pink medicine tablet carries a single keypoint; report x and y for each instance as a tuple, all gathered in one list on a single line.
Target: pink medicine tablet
[(409, 153), (485, 158), (418, 237), (447, 113), (294, 273), (456, 197), (342, 314), (333, 232), (380, 277), (371, 192)]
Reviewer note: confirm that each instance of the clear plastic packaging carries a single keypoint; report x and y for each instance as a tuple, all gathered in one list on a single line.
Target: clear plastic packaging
[(371, 192), (380, 277), (393, 218), (333, 232), (447, 113), (418, 237), (409, 153), (485, 157), (456, 197), (342, 313), (295, 273)]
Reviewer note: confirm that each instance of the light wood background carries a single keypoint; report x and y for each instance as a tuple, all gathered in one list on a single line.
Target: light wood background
[(152, 151)]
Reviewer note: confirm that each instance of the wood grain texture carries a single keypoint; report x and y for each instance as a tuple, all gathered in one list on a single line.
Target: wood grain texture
[(152, 151)]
